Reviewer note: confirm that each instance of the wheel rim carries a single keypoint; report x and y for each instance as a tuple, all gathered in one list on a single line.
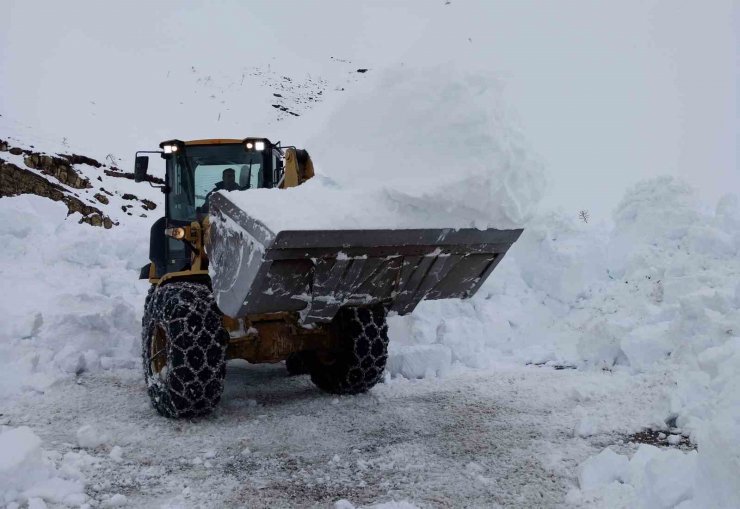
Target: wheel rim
[(158, 350)]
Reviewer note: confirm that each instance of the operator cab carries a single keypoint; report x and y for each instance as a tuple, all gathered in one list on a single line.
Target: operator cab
[(194, 171), (197, 169)]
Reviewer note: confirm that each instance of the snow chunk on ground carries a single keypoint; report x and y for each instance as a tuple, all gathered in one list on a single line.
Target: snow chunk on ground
[(346, 504), (17, 445), (116, 500), (602, 469), (116, 454), (419, 361), (27, 475), (375, 180), (653, 477), (89, 437)]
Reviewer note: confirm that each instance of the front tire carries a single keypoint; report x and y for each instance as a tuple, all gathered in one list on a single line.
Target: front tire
[(358, 364), (183, 350)]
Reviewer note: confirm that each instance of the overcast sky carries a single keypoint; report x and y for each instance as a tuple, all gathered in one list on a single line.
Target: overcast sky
[(606, 92)]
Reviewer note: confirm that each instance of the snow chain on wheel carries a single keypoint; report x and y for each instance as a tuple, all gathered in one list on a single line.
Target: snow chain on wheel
[(183, 349), (360, 363)]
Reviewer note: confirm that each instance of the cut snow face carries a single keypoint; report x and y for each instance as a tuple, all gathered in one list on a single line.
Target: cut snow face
[(76, 300), (420, 148)]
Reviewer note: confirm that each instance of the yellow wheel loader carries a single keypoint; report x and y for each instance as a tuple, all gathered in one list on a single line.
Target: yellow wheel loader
[(224, 286)]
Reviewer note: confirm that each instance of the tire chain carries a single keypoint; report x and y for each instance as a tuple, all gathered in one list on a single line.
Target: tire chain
[(192, 382), (359, 368)]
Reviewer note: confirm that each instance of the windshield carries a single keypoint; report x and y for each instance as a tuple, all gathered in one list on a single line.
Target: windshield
[(198, 171)]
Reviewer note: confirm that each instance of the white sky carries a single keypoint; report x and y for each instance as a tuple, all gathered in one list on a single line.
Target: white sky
[(606, 92)]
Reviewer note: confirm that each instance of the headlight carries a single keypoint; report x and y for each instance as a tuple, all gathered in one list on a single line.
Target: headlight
[(175, 233), (260, 145), (250, 145), (167, 149)]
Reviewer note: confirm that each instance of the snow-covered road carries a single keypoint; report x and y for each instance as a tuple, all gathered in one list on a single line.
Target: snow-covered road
[(475, 439)]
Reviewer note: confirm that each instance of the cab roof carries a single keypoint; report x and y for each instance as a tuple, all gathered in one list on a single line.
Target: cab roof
[(214, 141)]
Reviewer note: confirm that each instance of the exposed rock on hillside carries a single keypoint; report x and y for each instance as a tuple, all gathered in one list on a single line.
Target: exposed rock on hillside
[(71, 179), (15, 181)]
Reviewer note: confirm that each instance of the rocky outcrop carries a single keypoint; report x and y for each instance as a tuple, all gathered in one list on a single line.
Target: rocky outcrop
[(102, 198), (58, 168), (15, 181), (115, 172), (55, 177), (77, 159)]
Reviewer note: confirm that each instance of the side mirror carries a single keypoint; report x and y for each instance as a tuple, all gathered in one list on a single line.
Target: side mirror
[(140, 167)]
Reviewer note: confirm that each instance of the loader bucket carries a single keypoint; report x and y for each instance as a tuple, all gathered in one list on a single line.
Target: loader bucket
[(315, 272)]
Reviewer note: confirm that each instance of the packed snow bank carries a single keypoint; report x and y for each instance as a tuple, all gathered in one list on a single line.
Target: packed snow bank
[(652, 478), (72, 300), (418, 148), (30, 475)]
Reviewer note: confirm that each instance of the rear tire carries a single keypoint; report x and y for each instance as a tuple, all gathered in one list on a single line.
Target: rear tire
[(360, 361), (183, 350)]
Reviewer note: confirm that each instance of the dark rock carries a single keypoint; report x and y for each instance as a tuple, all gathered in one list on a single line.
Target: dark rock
[(94, 220), (148, 204), (130, 176), (102, 198), (15, 151), (78, 159)]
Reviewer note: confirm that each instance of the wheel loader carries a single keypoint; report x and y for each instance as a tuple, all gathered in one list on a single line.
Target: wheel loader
[(224, 286)]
